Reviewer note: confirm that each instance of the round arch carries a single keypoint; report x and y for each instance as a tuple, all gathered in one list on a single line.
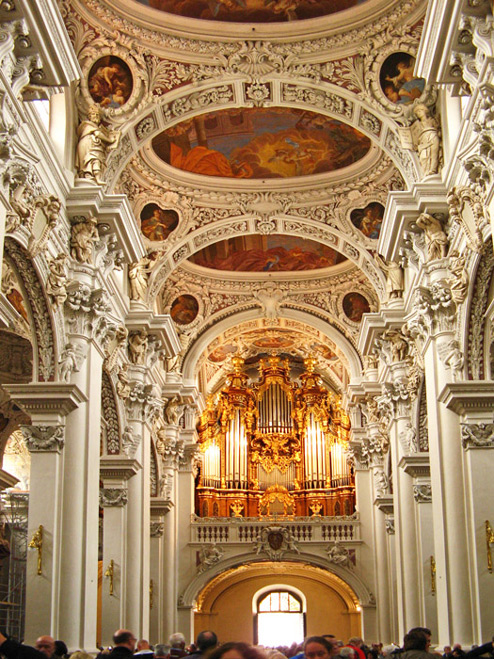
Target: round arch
[(329, 599), (220, 326)]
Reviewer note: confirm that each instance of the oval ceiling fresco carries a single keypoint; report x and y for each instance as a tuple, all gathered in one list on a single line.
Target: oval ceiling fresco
[(273, 253), (261, 143), (251, 11)]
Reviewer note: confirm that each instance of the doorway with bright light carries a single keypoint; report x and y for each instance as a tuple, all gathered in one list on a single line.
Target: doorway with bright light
[(279, 618)]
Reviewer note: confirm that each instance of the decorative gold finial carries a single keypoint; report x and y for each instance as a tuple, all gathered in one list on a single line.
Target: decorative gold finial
[(109, 572), (489, 537), (238, 363), (310, 363), (433, 575), (37, 543)]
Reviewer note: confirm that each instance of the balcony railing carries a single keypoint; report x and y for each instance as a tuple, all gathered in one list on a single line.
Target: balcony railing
[(245, 530)]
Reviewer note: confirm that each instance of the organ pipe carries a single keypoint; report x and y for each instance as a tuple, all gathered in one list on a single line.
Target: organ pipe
[(275, 433)]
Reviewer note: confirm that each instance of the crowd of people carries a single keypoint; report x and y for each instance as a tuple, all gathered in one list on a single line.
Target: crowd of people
[(416, 645)]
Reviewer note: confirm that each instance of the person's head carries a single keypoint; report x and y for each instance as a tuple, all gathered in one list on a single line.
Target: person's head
[(124, 638), (80, 654), (427, 632), (236, 651), (61, 649), (347, 653), (161, 651), (387, 649), (177, 640), (415, 640), (319, 647), (447, 649), (46, 645), (143, 645), (356, 641), (206, 640)]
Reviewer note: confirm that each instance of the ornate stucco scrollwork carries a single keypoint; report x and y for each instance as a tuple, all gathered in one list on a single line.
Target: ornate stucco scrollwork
[(422, 493), (112, 496), (390, 526), (44, 438), (156, 529), (275, 541), (477, 435)]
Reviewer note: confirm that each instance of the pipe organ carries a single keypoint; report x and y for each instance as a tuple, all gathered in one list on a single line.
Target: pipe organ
[(275, 446)]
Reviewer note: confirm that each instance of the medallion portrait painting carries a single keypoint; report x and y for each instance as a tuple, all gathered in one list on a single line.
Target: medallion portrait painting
[(158, 223), (184, 309), (369, 219), (262, 143), (354, 306), (220, 353), (251, 11), (398, 81), (110, 82), (274, 253)]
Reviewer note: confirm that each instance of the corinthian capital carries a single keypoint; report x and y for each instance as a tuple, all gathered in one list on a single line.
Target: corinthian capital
[(43, 438)]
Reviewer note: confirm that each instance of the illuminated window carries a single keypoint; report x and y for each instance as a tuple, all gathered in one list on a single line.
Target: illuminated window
[(280, 619)]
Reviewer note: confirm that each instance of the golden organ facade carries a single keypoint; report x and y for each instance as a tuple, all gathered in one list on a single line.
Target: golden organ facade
[(274, 447)]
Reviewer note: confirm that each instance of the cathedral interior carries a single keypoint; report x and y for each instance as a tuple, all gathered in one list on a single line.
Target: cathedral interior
[(246, 319)]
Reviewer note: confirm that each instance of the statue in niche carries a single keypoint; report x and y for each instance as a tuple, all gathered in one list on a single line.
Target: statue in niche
[(173, 410), (123, 382), (435, 237), (94, 142), (138, 277), (394, 277), (83, 236), (427, 140), (458, 281), (57, 279), (138, 345)]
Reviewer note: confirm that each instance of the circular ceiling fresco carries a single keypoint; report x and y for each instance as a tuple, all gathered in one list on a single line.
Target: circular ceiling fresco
[(260, 143), (251, 11), (272, 253)]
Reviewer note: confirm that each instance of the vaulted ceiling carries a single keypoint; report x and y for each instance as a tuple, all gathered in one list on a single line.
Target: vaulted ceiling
[(258, 142)]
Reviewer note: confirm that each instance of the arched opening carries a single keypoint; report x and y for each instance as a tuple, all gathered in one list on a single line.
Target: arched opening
[(232, 600), (279, 617)]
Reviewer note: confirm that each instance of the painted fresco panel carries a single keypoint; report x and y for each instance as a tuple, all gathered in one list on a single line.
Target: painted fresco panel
[(251, 11), (274, 253), (261, 143), (369, 219), (110, 82), (398, 81)]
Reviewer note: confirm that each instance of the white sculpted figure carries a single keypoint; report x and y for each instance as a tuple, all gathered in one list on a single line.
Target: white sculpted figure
[(435, 237), (394, 277), (458, 281), (138, 345), (57, 279), (138, 277), (428, 141), (173, 411), (83, 236), (94, 142), (339, 555)]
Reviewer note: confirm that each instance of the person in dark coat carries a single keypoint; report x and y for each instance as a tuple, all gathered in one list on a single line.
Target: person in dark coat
[(14, 650), (124, 643)]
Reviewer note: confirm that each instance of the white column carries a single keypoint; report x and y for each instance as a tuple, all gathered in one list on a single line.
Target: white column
[(382, 506), (80, 518), (115, 471), (156, 611), (47, 404), (454, 596), (185, 505)]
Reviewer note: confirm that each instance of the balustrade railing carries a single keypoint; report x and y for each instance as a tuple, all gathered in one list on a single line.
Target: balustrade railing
[(243, 530)]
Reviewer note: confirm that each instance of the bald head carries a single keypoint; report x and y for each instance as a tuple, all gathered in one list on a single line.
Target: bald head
[(46, 645), (124, 638)]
